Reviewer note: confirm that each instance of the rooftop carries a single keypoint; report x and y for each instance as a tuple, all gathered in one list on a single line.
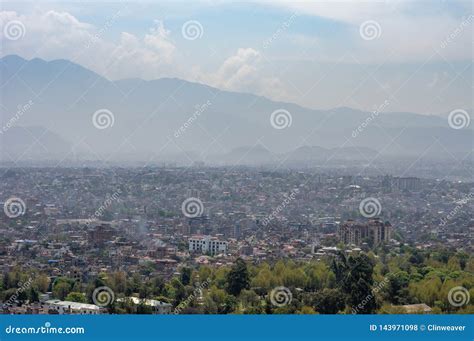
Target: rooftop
[(73, 305)]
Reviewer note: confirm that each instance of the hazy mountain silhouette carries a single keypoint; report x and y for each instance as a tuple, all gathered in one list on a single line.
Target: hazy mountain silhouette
[(168, 119)]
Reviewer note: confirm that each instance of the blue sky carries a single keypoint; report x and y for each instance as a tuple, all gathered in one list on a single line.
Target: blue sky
[(314, 53)]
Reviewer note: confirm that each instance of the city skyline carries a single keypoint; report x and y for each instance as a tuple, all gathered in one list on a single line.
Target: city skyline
[(237, 158)]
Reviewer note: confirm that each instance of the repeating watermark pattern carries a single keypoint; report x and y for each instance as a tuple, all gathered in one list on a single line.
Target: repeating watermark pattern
[(281, 296), (457, 31), (14, 30), (21, 110), (369, 119), (281, 119), (283, 27), (289, 198), (456, 209), (192, 207), (14, 207), (458, 296), (370, 207), (196, 292), (107, 25), (22, 287), (106, 204), (103, 119), (370, 30), (103, 296), (459, 119), (200, 108), (371, 296), (192, 30)]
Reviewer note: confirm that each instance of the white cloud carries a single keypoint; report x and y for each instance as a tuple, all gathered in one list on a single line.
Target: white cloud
[(148, 58), (242, 72), (409, 29), (239, 70), (158, 39), (53, 20), (54, 35), (45, 32)]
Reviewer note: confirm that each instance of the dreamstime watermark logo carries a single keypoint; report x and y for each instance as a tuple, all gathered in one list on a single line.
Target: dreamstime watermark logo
[(283, 27), (369, 297), (14, 207), (103, 119), (289, 198), (22, 288), (106, 204), (21, 110), (456, 209), (370, 207), (281, 119), (459, 119), (192, 207), (199, 110), (14, 30), (103, 296), (458, 296), (196, 292), (281, 296), (192, 30), (457, 31), (370, 30), (369, 119), (46, 329)]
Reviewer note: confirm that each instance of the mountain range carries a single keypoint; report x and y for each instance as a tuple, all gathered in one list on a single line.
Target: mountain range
[(52, 110)]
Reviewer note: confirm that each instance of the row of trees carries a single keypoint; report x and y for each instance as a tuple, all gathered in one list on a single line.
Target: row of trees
[(361, 283)]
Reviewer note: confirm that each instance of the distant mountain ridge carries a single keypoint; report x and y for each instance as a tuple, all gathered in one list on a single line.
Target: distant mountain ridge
[(213, 123)]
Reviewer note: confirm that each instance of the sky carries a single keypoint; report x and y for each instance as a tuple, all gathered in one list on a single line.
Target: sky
[(417, 54)]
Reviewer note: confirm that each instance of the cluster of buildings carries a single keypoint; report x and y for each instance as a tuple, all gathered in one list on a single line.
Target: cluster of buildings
[(141, 221)]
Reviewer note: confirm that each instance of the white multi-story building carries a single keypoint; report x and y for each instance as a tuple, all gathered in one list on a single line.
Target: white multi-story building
[(207, 244), (68, 307)]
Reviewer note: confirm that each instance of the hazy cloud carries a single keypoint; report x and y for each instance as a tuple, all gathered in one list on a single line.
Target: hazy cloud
[(241, 72)]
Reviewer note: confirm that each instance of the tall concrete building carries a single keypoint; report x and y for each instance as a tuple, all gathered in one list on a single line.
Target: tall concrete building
[(373, 232), (207, 244)]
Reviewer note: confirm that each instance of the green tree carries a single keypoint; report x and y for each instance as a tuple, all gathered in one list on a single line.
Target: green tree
[(229, 304), (33, 295), (186, 276), (357, 283), (329, 301), (61, 290), (76, 297), (179, 291), (238, 278), (416, 258), (398, 287), (41, 282)]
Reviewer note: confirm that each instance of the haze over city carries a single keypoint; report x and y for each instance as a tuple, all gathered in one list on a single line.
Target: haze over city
[(223, 157)]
